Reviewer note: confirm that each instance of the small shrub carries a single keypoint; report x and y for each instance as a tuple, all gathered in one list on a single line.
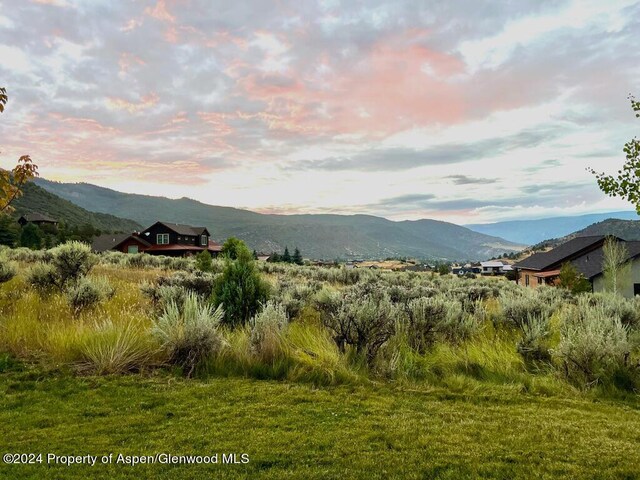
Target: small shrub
[(7, 270), (43, 277), (72, 260), (87, 293), (204, 262), (534, 344), (189, 332)]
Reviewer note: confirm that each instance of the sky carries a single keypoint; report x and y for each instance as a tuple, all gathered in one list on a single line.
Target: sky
[(468, 111)]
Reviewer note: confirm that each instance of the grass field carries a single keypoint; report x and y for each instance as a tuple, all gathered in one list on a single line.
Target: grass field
[(298, 431)]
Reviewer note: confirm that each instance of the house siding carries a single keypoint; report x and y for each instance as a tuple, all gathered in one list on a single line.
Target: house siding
[(627, 290)]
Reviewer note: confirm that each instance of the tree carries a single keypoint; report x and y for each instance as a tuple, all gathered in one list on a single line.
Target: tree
[(573, 280), (286, 256), (240, 290), (204, 263), (9, 231), (443, 269), (31, 236), (297, 257), (11, 181), (232, 248), (615, 267), (255, 254), (626, 183)]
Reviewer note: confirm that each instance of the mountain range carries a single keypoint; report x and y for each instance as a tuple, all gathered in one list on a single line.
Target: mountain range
[(530, 232), (318, 236)]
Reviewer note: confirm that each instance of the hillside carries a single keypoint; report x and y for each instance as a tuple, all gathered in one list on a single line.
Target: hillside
[(625, 229), (530, 232), (318, 236), (37, 199)]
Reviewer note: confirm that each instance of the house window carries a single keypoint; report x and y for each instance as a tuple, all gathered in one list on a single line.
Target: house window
[(203, 240), (162, 239), (539, 280), (132, 249), (526, 280), (636, 289)]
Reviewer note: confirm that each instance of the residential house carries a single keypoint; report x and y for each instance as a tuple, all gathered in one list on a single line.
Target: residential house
[(38, 219), (494, 267), (161, 238), (586, 255)]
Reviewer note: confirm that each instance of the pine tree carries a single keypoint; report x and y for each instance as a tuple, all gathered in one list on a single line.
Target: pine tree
[(286, 256), (297, 257), (31, 236), (9, 231)]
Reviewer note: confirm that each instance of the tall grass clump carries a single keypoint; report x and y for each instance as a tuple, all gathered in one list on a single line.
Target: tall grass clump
[(267, 331), (7, 270), (112, 348), (189, 332)]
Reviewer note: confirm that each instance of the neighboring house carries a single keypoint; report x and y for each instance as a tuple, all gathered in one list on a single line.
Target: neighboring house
[(494, 267), (586, 255), (458, 270), (38, 219), (161, 238)]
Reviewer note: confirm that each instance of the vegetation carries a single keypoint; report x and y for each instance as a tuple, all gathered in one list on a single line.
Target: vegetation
[(615, 266), (571, 279), (626, 184)]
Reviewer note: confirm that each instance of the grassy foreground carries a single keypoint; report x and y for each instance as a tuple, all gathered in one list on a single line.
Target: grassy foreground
[(298, 431)]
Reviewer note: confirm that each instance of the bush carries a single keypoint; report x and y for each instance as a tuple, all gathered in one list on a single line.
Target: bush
[(534, 344), (593, 345), (188, 332), (87, 293), (240, 290), (72, 260), (267, 332), (43, 277), (7, 270), (204, 262)]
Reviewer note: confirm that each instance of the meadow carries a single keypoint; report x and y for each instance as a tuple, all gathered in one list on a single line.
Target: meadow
[(312, 371)]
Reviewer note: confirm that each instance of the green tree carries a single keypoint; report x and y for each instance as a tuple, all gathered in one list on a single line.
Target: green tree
[(443, 269), (573, 280), (9, 231), (297, 257), (31, 236), (240, 290), (204, 262), (255, 255), (615, 266), (286, 256), (232, 248), (626, 183)]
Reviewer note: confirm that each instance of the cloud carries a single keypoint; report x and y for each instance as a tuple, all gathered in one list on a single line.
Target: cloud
[(467, 180)]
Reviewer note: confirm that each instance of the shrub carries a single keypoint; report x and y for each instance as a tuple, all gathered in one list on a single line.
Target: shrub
[(43, 277), (72, 260), (534, 344), (87, 293), (7, 270), (267, 332), (189, 332), (593, 345), (517, 310), (233, 248), (240, 290)]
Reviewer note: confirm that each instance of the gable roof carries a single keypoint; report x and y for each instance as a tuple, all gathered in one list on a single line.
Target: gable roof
[(109, 241), (590, 264), (562, 253), (37, 217), (182, 229)]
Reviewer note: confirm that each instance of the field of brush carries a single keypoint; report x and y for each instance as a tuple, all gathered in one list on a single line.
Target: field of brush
[(334, 374)]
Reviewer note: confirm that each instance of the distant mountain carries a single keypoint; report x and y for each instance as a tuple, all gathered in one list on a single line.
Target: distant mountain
[(625, 229), (318, 236), (530, 232), (38, 200)]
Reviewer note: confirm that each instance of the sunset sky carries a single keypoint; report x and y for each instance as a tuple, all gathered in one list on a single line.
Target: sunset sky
[(467, 111)]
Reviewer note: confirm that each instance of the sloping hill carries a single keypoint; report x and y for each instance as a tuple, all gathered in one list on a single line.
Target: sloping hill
[(529, 232), (318, 236), (37, 199)]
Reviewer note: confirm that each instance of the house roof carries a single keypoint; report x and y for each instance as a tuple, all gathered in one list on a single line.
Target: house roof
[(181, 229), (107, 241), (564, 252), (37, 217), (215, 247), (590, 264), (491, 264), (176, 248)]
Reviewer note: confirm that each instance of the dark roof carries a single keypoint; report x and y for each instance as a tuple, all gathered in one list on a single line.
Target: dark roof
[(107, 241), (37, 217), (590, 264), (181, 229), (562, 253)]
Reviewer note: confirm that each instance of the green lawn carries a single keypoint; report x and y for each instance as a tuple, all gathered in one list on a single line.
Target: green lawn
[(298, 431)]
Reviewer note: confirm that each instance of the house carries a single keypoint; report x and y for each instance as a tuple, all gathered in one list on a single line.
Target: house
[(494, 267), (586, 255), (161, 238), (38, 219)]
